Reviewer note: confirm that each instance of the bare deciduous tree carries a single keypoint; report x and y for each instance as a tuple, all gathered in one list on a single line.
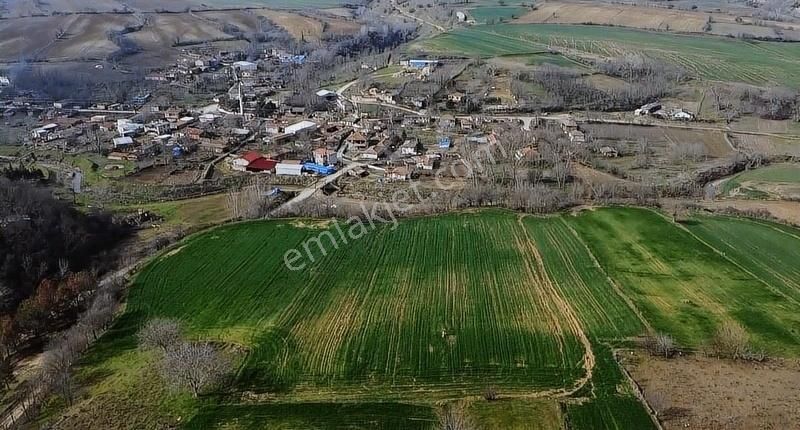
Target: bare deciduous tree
[(160, 333), (194, 367), (453, 416), (661, 344)]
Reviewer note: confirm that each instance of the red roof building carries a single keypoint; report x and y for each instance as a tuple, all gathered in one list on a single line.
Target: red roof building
[(261, 164), (251, 156)]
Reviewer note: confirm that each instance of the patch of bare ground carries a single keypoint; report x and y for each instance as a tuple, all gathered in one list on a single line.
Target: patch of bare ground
[(707, 393), (655, 18), (785, 211)]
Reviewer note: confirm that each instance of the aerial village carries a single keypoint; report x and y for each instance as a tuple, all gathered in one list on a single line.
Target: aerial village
[(245, 122)]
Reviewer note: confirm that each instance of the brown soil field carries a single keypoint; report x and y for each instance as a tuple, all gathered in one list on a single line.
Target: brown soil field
[(606, 82), (659, 138), (86, 36), (27, 8), (768, 145), (706, 393), (298, 26), (653, 18)]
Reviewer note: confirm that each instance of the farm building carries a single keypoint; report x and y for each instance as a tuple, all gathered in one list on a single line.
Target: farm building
[(648, 109), (325, 156), (681, 115), (426, 162), (245, 66), (577, 136), (419, 64), (402, 173), (242, 162), (369, 154), (44, 132), (409, 147), (289, 168), (126, 127), (262, 164), (526, 153), (357, 140), (327, 94), (319, 169), (568, 125), (300, 127), (122, 141)]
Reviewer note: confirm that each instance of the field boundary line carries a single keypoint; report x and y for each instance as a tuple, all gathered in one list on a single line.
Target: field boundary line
[(728, 259), (563, 305), (617, 289), (635, 387), (759, 222)]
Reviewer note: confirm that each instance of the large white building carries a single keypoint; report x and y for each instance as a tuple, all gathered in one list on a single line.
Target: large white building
[(289, 168), (301, 126)]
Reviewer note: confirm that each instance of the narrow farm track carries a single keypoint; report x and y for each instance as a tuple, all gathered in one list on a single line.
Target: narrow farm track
[(566, 310)]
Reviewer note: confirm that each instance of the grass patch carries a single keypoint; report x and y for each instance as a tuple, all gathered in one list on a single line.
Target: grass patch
[(749, 182), (517, 414), (495, 15)]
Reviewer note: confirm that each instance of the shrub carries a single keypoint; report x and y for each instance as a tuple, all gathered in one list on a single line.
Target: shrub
[(661, 344)]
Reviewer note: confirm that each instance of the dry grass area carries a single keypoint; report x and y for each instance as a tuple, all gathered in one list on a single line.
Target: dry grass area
[(86, 36), (770, 145), (652, 18), (297, 25), (706, 393), (785, 211)]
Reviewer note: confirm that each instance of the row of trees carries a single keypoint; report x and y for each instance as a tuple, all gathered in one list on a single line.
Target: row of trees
[(568, 89), (63, 350), (734, 100)]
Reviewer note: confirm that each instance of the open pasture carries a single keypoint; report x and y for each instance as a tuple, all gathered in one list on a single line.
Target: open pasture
[(707, 57)]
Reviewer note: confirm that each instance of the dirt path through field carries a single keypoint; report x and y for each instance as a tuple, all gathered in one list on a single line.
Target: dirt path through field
[(573, 321)]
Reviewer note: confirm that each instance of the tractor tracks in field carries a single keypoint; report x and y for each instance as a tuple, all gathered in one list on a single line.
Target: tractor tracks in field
[(617, 289), (730, 260), (538, 272)]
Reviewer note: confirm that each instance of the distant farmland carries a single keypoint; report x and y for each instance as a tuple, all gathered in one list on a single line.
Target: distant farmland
[(443, 307), (708, 57)]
